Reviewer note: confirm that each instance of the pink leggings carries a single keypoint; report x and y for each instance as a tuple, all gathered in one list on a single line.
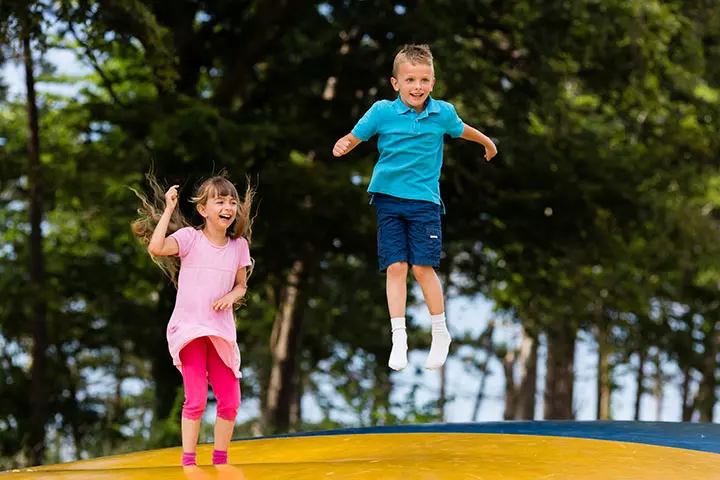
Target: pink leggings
[(200, 363)]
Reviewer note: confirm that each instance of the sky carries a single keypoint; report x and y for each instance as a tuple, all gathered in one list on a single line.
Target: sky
[(464, 314)]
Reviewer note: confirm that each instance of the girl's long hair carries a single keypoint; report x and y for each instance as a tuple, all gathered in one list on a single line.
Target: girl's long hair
[(152, 208)]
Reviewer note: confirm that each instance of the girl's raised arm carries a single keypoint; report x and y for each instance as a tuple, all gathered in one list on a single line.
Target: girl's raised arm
[(160, 245)]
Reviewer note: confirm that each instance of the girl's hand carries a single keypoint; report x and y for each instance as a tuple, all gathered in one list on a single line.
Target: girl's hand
[(171, 198), (227, 302)]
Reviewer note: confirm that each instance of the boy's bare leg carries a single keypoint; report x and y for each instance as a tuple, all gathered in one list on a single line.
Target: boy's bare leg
[(432, 291), (431, 288), (396, 289)]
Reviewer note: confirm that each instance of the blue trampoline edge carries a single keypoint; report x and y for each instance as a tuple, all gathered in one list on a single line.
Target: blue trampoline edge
[(704, 437)]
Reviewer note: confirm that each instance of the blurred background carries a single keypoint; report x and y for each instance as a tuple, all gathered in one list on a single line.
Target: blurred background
[(581, 266)]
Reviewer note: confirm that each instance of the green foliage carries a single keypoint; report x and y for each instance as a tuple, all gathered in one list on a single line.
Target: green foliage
[(600, 209)]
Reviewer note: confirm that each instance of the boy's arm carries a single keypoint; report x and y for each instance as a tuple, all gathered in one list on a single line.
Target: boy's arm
[(474, 135), (345, 145)]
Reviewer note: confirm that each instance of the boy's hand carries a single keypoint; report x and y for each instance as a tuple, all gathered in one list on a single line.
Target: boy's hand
[(490, 151), (341, 147)]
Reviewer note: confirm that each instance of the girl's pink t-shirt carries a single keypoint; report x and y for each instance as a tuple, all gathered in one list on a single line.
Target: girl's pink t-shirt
[(207, 273)]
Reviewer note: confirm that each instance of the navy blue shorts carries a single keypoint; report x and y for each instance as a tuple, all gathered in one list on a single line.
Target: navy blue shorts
[(408, 231)]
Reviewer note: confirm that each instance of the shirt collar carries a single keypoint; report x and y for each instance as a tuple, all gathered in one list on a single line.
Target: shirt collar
[(431, 106)]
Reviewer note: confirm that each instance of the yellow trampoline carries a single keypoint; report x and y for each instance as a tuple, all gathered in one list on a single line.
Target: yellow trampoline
[(487, 451)]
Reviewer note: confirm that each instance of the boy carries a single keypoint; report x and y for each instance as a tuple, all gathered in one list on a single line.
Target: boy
[(406, 193)]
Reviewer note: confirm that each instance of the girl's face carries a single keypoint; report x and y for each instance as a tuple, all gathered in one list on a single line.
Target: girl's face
[(414, 83), (219, 211)]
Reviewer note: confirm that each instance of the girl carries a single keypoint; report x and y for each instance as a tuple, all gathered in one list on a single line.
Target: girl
[(214, 260)]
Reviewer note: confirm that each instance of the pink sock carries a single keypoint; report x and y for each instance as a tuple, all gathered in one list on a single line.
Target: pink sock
[(188, 459), (220, 457)]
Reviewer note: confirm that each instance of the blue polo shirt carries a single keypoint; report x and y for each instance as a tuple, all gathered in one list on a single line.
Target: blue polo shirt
[(410, 146)]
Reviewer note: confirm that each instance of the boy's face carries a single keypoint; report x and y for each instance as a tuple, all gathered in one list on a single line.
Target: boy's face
[(414, 82)]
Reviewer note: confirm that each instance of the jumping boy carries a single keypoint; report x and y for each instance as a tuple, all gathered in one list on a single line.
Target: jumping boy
[(406, 193)]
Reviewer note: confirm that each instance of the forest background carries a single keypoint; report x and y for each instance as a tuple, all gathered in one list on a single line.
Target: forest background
[(581, 265)]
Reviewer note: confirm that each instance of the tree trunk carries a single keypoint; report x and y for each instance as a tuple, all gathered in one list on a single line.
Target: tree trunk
[(485, 343), (528, 378), (284, 346), (603, 370), (511, 393), (560, 376), (642, 358), (165, 375), (296, 402), (706, 398), (74, 417), (520, 399), (687, 406), (38, 396), (481, 389), (659, 386)]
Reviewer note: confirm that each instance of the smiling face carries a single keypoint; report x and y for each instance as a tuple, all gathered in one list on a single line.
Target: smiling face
[(219, 211), (217, 202), (414, 82)]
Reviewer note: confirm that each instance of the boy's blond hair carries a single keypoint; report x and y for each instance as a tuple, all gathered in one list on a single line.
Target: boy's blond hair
[(415, 54)]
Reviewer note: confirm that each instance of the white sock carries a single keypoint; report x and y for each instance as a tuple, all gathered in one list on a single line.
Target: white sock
[(398, 355), (440, 345)]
